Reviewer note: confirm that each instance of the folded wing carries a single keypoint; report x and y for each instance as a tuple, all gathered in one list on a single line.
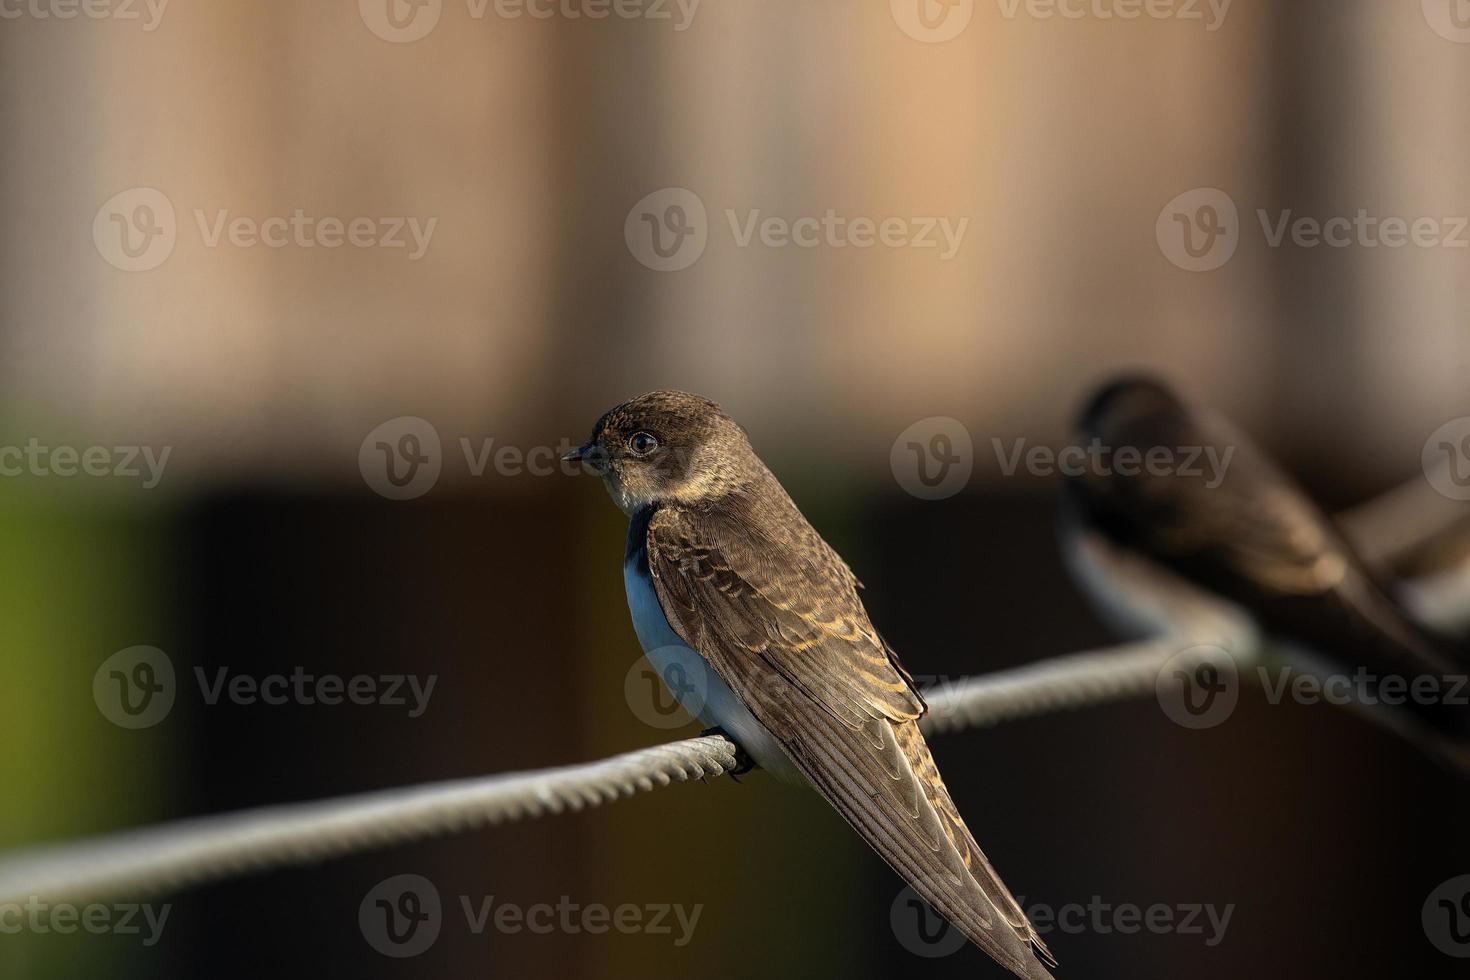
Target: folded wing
[(776, 614)]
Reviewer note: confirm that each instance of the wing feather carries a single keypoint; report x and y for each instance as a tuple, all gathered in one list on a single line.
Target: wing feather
[(776, 614), (1252, 536)]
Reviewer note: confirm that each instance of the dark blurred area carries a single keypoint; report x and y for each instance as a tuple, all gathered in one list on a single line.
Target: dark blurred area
[(1302, 821), (267, 546)]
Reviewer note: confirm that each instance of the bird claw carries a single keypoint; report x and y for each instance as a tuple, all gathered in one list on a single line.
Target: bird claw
[(743, 762)]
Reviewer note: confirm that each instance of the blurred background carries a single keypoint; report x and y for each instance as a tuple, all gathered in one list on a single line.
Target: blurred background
[(265, 238)]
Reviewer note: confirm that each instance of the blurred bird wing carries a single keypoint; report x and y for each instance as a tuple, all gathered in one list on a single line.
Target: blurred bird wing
[(776, 615), (1254, 521), (1258, 539)]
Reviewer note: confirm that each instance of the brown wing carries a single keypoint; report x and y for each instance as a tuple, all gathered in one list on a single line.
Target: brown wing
[(1255, 538), (1260, 541), (775, 612)]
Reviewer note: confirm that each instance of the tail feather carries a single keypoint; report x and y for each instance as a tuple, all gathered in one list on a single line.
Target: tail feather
[(910, 821), (921, 760)]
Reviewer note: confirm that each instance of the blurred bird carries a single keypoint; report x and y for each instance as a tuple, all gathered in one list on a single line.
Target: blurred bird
[(727, 582), (1165, 550)]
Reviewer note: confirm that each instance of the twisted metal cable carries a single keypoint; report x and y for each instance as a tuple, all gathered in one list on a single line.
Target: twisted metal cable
[(193, 851), (1063, 683), (188, 852)]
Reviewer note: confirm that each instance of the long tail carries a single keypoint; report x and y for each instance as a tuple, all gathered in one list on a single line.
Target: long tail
[(921, 760), (882, 780)]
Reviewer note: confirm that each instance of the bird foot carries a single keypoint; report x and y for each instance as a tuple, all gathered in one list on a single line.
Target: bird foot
[(743, 762)]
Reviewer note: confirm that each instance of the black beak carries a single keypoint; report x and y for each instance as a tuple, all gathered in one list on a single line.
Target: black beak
[(591, 454)]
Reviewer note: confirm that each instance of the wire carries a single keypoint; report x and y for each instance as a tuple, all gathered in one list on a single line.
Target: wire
[(189, 852), (1063, 683), (193, 851)]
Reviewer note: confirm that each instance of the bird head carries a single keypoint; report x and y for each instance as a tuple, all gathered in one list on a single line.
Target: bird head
[(666, 445)]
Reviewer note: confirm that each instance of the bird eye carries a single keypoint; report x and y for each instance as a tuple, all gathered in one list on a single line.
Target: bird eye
[(642, 443)]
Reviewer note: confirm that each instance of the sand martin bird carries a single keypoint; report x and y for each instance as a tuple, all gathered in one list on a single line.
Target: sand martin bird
[(727, 580), (1179, 547)]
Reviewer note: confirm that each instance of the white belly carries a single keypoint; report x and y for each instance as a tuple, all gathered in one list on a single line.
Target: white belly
[(702, 693)]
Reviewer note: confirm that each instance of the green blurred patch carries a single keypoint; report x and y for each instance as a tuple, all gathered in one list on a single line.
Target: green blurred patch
[(81, 579), (83, 576)]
